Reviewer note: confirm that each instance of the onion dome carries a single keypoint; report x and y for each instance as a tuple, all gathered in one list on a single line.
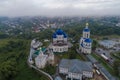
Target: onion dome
[(65, 35), (59, 32), (81, 44), (88, 40), (54, 35), (86, 30)]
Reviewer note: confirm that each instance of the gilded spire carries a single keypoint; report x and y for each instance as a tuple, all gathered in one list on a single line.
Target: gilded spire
[(87, 24)]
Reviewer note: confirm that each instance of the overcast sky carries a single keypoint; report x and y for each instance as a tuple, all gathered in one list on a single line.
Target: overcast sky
[(59, 7)]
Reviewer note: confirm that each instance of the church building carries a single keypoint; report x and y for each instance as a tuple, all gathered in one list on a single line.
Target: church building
[(85, 44), (60, 41)]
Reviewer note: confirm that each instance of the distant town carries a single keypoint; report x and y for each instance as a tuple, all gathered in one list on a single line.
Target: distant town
[(21, 25)]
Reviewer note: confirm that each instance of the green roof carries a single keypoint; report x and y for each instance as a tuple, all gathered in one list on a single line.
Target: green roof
[(43, 49), (38, 51)]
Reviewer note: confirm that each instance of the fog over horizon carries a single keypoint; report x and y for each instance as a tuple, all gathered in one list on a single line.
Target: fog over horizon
[(16, 8)]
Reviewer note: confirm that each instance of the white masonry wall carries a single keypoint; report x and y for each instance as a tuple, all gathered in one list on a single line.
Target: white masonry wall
[(41, 61), (63, 70), (60, 48), (88, 74), (75, 76)]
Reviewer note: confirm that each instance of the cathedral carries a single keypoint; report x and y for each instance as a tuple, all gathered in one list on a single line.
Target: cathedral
[(85, 44), (60, 41)]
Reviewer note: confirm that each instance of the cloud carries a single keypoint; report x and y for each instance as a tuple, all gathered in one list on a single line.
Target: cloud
[(59, 7)]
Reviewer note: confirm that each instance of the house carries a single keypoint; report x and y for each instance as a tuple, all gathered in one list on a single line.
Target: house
[(76, 69), (108, 43)]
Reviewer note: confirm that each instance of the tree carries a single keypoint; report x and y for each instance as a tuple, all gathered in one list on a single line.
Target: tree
[(8, 70), (72, 53), (2, 36), (94, 44)]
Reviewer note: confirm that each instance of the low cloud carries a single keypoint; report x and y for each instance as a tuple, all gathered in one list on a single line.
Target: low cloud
[(13, 8)]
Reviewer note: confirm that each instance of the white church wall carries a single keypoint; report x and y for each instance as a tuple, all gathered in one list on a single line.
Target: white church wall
[(59, 37)]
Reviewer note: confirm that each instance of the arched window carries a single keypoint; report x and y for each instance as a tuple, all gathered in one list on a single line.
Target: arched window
[(87, 35)]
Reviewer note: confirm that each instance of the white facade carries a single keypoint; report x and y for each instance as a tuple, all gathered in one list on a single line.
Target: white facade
[(51, 58), (88, 74), (75, 69), (74, 76), (63, 70), (60, 48), (41, 60), (71, 75), (85, 41)]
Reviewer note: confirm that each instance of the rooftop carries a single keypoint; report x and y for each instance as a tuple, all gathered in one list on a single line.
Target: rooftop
[(59, 32), (76, 65), (86, 30), (37, 52), (88, 40)]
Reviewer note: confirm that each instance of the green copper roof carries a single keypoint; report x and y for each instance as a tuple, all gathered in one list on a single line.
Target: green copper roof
[(37, 52)]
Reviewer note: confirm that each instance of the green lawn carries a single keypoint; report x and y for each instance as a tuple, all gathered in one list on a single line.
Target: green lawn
[(50, 69), (3, 42)]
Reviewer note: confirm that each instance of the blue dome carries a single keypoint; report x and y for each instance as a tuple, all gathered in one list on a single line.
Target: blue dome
[(88, 40), (86, 30), (81, 45), (65, 35), (59, 32), (54, 35)]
